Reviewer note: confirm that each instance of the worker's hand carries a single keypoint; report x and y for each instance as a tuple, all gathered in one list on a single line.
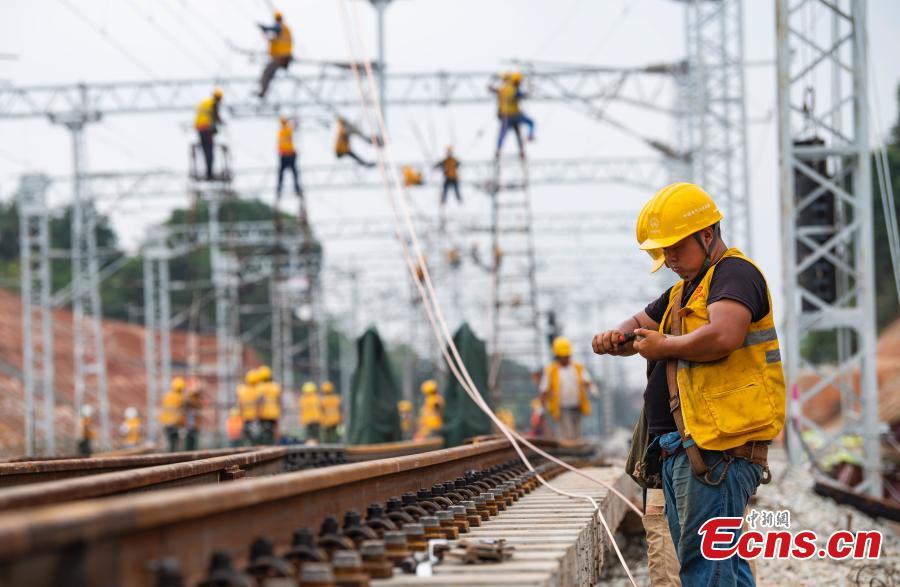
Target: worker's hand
[(607, 343), (651, 344)]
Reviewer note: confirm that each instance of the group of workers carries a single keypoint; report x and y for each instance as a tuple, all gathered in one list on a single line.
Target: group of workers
[(430, 419), (180, 414)]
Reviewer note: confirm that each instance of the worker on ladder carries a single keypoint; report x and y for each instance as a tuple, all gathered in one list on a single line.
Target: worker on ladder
[(269, 405), (248, 405), (288, 156), (564, 389), (207, 124), (172, 414), (131, 428), (310, 412), (331, 413), (86, 431), (509, 111), (431, 415), (281, 45), (450, 166), (342, 142)]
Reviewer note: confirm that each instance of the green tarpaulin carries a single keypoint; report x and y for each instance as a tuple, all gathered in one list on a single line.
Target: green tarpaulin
[(462, 418), (373, 395)]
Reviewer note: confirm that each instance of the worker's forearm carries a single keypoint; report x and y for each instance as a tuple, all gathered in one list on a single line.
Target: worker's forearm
[(707, 343)]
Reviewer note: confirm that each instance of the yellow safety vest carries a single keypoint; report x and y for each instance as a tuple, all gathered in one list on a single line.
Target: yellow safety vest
[(248, 401), (286, 140), (172, 413), (205, 113), (270, 401), (87, 428), (331, 409), (310, 409), (450, 166), (553, 382), (133, 430), (737, 399), (342, 144), (282, 45), (508, 100), (431, 417)]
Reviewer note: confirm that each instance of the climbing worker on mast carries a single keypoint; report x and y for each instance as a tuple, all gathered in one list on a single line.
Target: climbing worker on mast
[(288, 156), (715, 397), (281, 46), (342, 142), (207, 124), (564, 390), (172, 414), (450, 166), (509, 111)]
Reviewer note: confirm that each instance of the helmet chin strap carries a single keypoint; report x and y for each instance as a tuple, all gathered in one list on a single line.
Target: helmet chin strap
[(707, 262)]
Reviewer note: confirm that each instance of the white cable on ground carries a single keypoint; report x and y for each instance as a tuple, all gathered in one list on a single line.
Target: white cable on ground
[(434, 313)]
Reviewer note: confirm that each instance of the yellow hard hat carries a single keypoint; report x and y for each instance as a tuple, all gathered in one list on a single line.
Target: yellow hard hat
[(309, 388), (562, 347), (404, 405), (178, 383), (429, 387), (250, 377), (677, 211), (217, 93), (640, 232), (516, 77), (277, 15), (264, 373), (327, 387)]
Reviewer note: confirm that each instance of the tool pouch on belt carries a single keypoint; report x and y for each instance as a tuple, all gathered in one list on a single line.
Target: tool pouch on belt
[(698, 465), (644, 463)]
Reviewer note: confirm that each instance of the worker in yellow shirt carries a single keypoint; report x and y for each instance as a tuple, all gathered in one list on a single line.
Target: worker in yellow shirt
[(281, 47), (172, 414), (207, 123), (248, 406), (331, 413), (310, 412), (234, 427), (87, 433), (131, 428), (431, 415), (405, 409), (269, 405)]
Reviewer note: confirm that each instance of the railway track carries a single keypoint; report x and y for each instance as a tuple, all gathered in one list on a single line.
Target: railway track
[(149, 538)]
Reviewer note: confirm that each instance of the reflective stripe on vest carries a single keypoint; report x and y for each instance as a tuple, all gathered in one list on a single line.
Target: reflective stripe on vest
[(736, 399)]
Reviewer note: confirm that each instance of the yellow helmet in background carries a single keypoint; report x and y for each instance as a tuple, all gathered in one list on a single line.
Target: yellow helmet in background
[(562, 347), (516, 77), (309, 388), (404, 406), (640, 232), (217, 93), (263, 373), (178, 383), (278, 15), (250, 377), (677, 211), (429, 387), (327, 387)]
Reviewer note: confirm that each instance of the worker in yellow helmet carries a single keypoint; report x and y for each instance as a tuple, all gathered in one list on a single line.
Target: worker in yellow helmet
[(172, 414), (310, 412), (564, 390), (248, 406), (509, 94), (405, 409), (715, 395), (342, 142), (207, 123), (234, 427), (431, 414), (450, 166), (269, 405), (331, 413), (86, 431), (411, 176), (131, 428), (281, 47), (287, 155)]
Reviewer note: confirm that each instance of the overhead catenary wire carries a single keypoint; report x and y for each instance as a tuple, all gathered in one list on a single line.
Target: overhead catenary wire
[(426, 290)]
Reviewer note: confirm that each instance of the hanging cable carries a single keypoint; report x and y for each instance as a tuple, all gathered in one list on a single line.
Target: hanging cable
[(434, 312)]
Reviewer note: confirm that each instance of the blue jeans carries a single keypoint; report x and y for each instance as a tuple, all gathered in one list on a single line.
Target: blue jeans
[(690, 503), (513, 122)]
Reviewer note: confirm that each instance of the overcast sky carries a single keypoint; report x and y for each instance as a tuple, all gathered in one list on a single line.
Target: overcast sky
[(51, 41)]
